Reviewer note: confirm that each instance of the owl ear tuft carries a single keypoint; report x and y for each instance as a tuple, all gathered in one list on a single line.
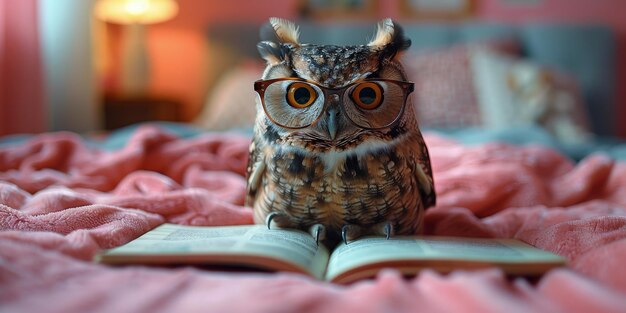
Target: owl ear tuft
[(390, 38), (281, 30), (277, 36)]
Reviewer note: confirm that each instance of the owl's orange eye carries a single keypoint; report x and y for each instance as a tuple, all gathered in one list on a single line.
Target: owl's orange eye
[(300, 95), (367, 95)]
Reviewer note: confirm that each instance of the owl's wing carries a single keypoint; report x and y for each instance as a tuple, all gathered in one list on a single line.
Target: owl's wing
[(256, 170), (426, 185), (425, 174)]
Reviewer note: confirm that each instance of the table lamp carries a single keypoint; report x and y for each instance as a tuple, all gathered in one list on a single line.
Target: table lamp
[(134, 14)]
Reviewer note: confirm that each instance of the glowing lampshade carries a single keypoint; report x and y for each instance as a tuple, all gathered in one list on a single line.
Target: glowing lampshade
[(136, 11)]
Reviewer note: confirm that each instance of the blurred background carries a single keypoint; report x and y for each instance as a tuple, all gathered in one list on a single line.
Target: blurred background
[(90, 66)]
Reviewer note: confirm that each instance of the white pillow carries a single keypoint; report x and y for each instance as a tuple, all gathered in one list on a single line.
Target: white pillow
[(515, 92), (231, 104)]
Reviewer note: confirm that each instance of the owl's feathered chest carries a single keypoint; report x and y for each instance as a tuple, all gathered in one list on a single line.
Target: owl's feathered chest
[(365, 185)]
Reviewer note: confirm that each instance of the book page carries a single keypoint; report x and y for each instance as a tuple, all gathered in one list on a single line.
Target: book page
[(371, 250), (179, 244)]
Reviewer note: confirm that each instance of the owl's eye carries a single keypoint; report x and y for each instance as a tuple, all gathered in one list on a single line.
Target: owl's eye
[(300, 95), (367, 95)]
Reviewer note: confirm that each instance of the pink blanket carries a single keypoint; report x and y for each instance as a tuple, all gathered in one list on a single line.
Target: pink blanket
[(61, 202)]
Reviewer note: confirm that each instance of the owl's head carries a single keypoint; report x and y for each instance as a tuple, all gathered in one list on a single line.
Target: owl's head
[(324, 97)]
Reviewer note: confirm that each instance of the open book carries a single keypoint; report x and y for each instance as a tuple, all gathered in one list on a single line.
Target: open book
[(255, 246)]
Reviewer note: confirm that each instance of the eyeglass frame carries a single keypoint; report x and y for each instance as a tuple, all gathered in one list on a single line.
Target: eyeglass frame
[(261, 85)]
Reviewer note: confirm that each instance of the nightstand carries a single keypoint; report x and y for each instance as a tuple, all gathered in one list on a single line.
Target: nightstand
[(120, 111)]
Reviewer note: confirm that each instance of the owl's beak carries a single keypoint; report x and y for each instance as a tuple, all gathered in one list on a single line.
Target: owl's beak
[(331, 123)]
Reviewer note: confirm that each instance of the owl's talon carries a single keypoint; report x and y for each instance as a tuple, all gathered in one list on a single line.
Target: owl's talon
[(318, 231), (350, 232), (344, 234), (317, 237), (388, 230), (269, 218)]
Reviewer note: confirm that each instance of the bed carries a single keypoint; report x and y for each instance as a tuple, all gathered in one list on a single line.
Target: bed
[(65, 197)]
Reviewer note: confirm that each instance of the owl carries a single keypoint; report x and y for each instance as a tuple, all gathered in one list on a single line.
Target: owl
[(336, 149)]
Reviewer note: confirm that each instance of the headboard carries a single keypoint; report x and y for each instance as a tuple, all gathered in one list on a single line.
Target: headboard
[(585, 51)]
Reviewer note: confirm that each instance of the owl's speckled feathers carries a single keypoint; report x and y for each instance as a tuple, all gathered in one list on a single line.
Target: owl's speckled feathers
[(334, 173)]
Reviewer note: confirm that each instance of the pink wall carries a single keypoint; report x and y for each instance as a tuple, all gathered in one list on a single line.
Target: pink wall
[(186, 32), (21, 80)]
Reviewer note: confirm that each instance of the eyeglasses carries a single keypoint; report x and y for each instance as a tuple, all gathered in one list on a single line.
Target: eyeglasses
[(296, 103)]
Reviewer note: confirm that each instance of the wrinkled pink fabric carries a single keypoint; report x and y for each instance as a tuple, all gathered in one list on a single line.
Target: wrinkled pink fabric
[(61, 202)]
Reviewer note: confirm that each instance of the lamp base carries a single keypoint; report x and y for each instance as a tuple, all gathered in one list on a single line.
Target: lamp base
[(135, 63)]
